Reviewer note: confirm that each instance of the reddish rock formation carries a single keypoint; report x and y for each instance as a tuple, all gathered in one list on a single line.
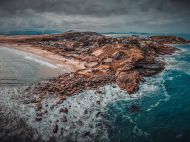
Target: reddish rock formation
[(39, 106), (61, 110), (128, 80), (65, 110), (63, 119), (98, 102), (142, 79), (66, 85), (55, 129), (35, 100), (62, 97), (38, 119), (169, 39), (99, 92), (131, 63), (127, 74)]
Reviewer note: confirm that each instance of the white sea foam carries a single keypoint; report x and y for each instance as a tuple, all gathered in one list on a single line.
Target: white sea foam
[(31, 57), (187, 72), (82, 113), (40, 61), (81, 116)]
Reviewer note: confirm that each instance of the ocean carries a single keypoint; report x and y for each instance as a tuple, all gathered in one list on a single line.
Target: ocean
[(163, 102)]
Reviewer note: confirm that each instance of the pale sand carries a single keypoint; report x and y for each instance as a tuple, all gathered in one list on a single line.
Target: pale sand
[(74, 64)]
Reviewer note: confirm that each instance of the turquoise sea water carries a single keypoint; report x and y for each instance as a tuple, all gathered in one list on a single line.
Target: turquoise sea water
[(163, 102), (164, 111)]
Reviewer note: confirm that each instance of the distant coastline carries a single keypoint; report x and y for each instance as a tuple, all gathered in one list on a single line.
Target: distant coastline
[(123, 33)]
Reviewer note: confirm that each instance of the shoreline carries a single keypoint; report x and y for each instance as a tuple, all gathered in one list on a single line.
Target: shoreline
[(58, 90), (46, 54)]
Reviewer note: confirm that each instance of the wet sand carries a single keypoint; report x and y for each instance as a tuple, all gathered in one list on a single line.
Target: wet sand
[(74, 64)]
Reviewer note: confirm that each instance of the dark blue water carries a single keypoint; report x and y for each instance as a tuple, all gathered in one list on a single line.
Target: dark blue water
[(164, 105)]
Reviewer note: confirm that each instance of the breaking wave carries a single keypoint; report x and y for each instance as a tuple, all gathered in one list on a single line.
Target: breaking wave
[(40, 61)]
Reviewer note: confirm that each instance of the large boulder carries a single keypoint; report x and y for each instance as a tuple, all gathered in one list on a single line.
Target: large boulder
[(128, 80)]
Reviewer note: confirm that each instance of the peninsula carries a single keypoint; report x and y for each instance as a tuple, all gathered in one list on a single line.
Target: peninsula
[(98, 60)]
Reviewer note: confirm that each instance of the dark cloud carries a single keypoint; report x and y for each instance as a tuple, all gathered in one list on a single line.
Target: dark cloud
[(96, 15)]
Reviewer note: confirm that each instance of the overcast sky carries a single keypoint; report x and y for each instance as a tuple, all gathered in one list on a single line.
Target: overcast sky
[(150, 16)]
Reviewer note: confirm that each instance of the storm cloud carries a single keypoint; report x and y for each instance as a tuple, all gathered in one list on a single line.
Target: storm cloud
[(96, 15)]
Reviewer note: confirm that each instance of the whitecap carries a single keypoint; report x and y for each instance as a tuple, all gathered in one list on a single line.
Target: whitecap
[(41, 62)]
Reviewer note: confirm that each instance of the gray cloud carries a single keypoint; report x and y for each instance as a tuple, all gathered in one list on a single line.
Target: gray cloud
[(99, 15)]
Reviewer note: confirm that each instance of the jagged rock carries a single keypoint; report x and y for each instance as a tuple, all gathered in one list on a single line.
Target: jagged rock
[(59, 102), (169, 39), (39, 106), (99, 92), (38, 114), (142, 79), (55, 128), (35, 100), (125, 68), (86, 134), (38, 119), (134, 108), (63, 119), (129, 81), (65, 110), (98, 102), (61, 110)]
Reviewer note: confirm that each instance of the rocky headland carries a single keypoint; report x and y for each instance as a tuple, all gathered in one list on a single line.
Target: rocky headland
[(124, 60)]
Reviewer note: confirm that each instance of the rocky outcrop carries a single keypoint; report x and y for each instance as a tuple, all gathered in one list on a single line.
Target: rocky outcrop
[(63, 119), (117, 55), (148, 68), (39, 106), (55, 129), (131, 66), (169, 39), (68, 84), (129, 81), (163, 49)]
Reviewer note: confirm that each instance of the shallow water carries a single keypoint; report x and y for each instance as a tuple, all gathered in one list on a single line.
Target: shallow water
[(163, 101), (21, 68)]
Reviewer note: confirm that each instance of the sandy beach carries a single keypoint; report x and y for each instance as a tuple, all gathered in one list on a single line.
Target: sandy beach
[(74, 65)]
